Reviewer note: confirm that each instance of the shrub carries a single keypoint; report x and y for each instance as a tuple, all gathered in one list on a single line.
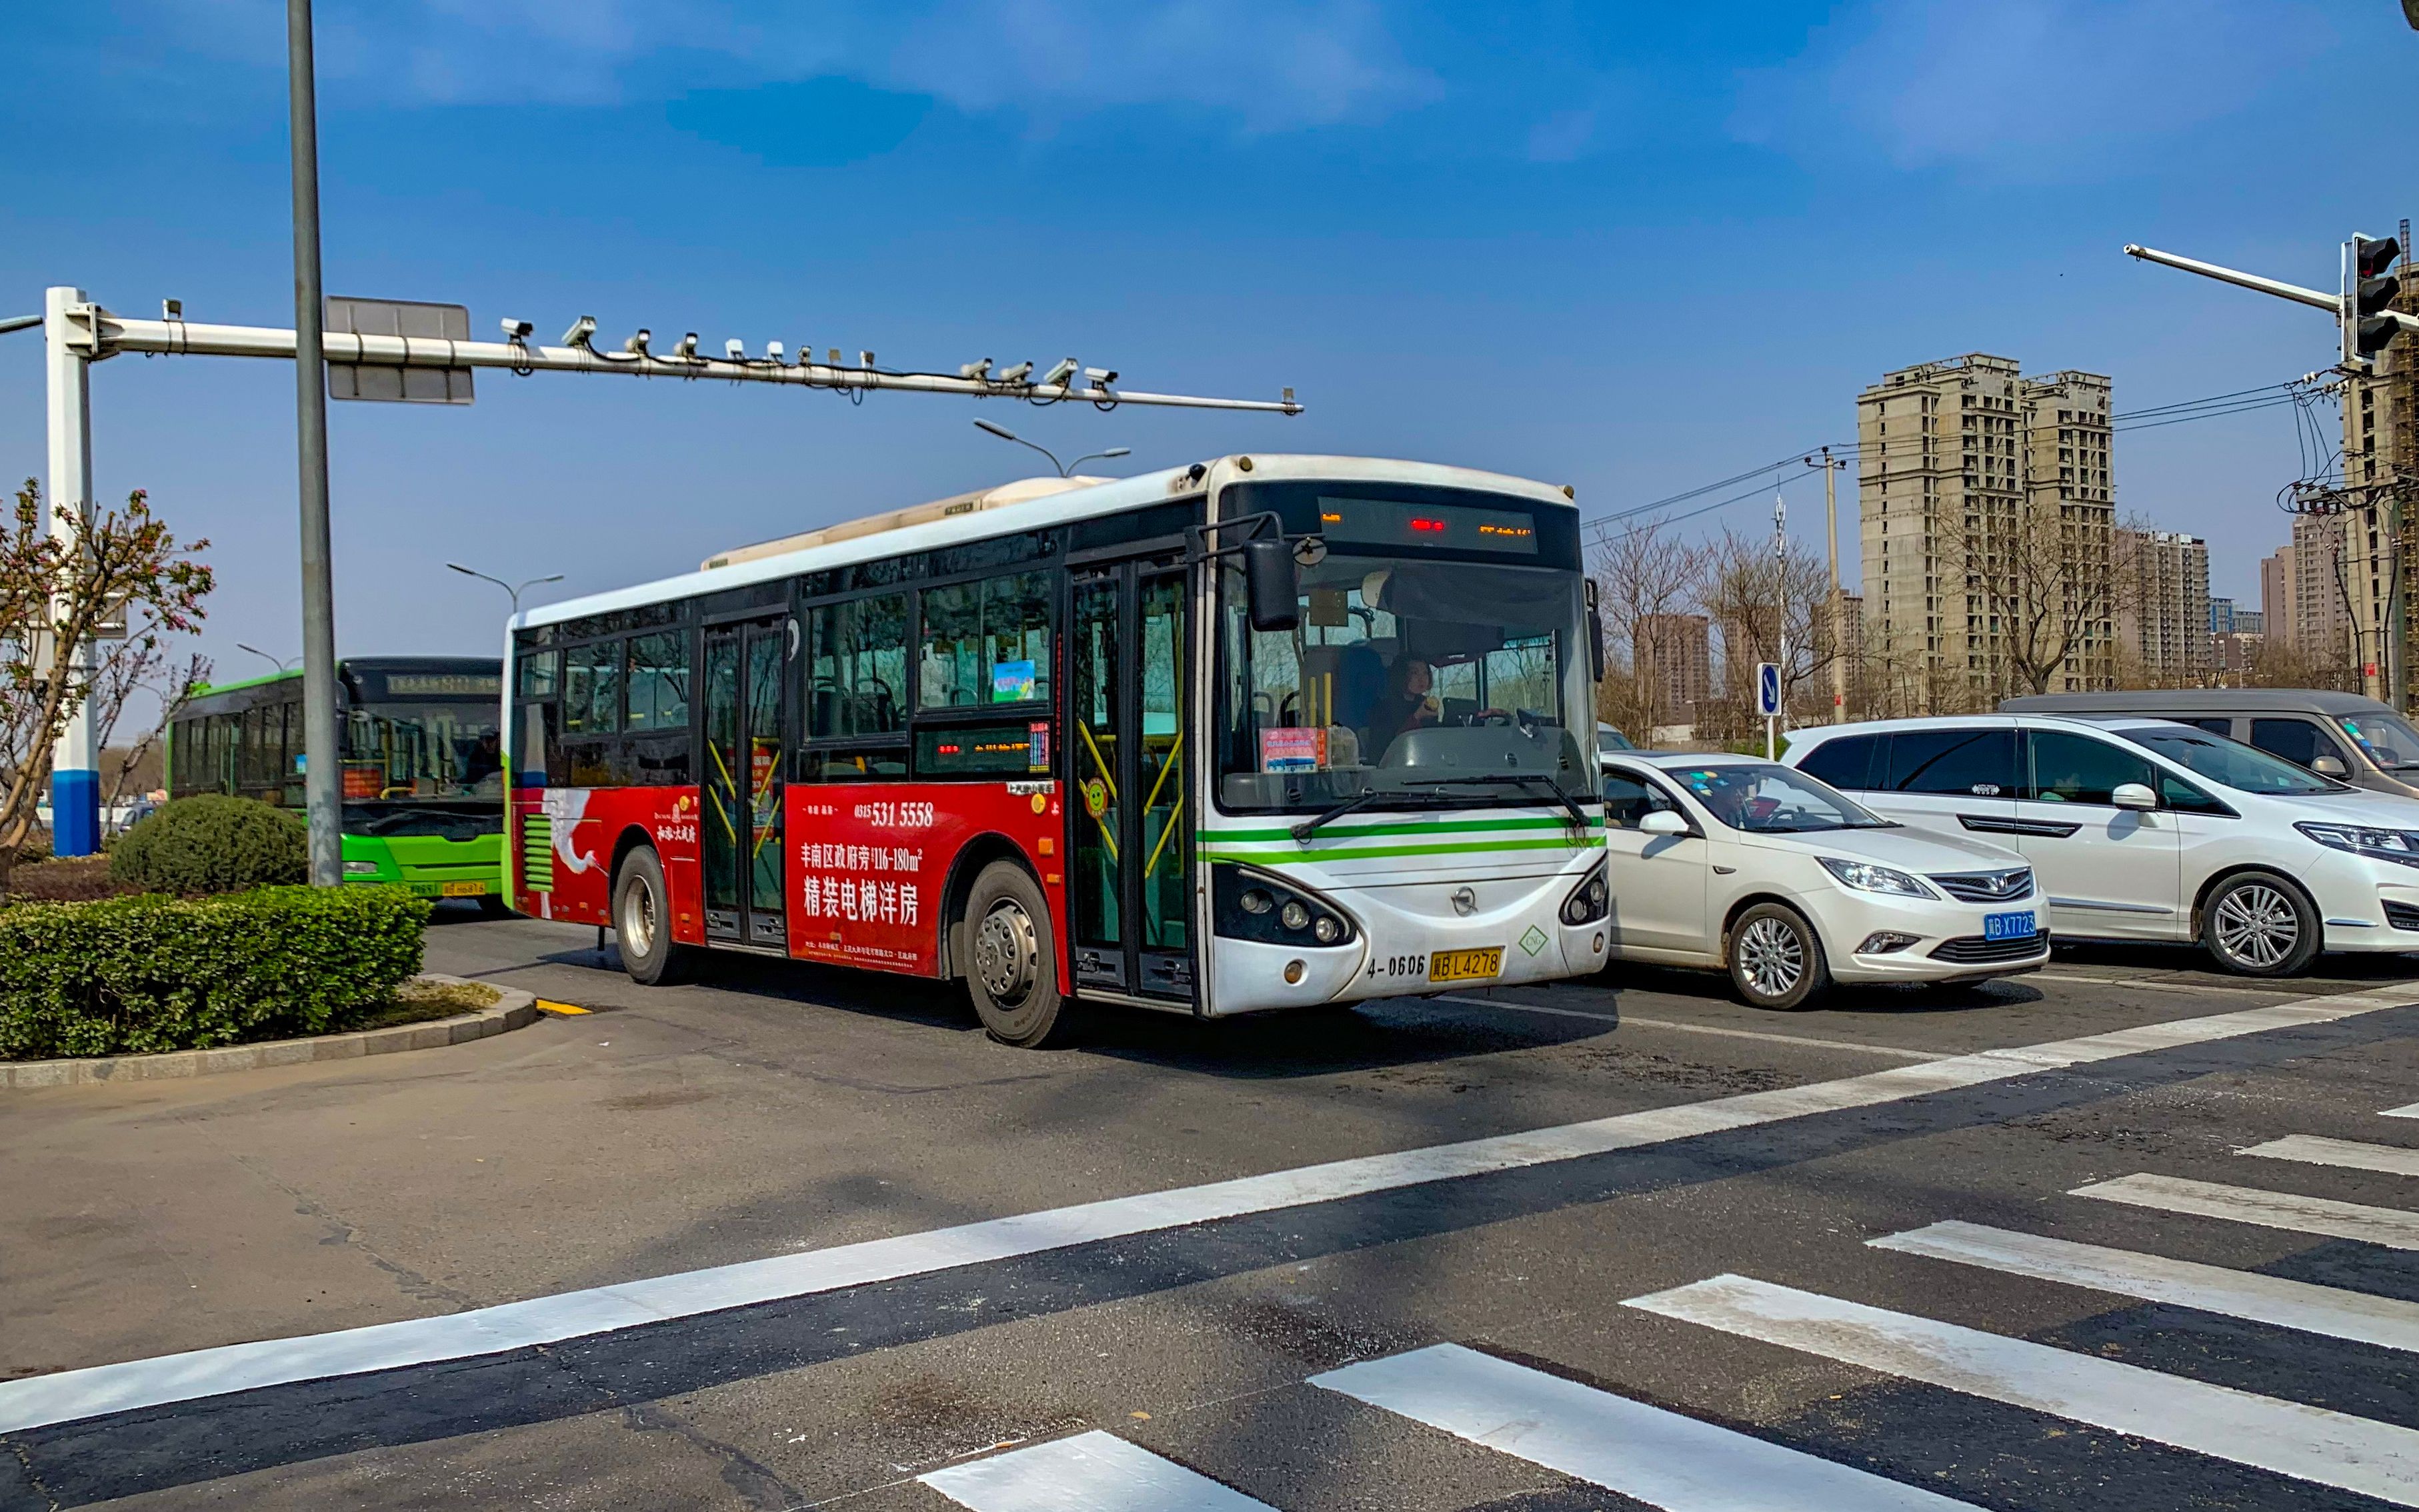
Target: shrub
[(135, 975), (213, 843)]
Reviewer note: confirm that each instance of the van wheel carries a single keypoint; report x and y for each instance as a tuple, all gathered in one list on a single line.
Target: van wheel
[(1775, 959), (1013, 978), (2259, 925), (642, 922)]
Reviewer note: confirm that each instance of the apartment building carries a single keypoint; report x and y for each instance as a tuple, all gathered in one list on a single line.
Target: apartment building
[(1977, 486), (2221, 614), (2163, 611), (1674, 656)]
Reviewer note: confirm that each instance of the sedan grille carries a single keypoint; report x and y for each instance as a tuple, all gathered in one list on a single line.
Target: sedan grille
[(2402, 916), (1989, 887), (1974, 950)]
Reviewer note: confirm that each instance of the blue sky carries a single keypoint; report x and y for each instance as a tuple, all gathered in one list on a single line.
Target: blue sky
[(1631, 247)]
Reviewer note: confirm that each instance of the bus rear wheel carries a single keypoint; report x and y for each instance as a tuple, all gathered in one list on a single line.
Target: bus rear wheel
[(1013, 969), (642, 922)]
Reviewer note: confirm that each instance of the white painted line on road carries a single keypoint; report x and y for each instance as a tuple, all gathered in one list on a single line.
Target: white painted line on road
[(2151, 984), (2312, 1150), (1889, 1052), (1092, 1471), (2388, 1322), (110, 1388), (1661, 1458), (2294, 1439), (2388, 1226), (2409, 1110)]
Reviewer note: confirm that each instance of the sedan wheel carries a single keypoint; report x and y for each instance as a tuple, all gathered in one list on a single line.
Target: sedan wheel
[(2259, 925), (1775, 959)]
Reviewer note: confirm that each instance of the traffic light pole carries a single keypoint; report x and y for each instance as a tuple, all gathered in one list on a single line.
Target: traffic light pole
[(2332, 304), (75, 776)]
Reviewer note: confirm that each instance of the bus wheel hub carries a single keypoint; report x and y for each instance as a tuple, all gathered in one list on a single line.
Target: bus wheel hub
[(1005, 953)]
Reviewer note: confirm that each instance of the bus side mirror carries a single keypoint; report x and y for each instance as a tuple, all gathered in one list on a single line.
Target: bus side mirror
[(1595, 637), (1271, 585)]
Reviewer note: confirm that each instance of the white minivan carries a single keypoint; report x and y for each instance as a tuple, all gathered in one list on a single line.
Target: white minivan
[(2145, 830)]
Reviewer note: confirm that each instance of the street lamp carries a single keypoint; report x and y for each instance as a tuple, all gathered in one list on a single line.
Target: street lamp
[(281, 663), (516, 592), (1066, 469)]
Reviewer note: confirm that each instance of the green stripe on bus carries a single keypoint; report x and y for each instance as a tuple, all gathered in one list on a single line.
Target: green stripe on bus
[(1337, 853), (1209, 836)]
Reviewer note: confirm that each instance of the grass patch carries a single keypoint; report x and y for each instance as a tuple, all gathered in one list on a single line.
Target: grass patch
[(417, 1002), (68, 880)]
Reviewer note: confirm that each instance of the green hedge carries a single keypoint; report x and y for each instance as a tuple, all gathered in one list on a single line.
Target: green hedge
[(133, 975), (213, 842)]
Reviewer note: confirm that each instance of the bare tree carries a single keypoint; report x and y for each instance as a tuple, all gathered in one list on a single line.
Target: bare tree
[(122, 569), (1770, 606), (2040, 597), (1646, 581), (144, 672)]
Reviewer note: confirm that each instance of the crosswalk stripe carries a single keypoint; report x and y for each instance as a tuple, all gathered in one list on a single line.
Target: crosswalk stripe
[(1659, 1458), (2313, 1150), (2388, 1226), (125, 1385), (1092, 1471), (2409, 1110), (2386, 1321), (2294, 1439)]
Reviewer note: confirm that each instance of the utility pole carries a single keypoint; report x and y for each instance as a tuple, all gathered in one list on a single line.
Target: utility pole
[(323, 775), (1831, 466), (1780, 619)]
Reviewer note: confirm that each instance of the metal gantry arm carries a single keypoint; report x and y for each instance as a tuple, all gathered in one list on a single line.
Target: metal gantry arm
[(2332, 304), (99, 333)]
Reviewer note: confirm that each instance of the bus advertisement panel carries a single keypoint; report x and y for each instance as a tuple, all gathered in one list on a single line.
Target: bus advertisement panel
[(1060, 742)]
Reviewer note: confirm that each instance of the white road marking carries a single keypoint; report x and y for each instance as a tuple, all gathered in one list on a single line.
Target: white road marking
[(1659, 1458), (2294, 1439), (109, 1388), (1092, 1471), (2312, 1150), (2147, 985), (2390, 1226), (2386, 1321), (2409, 1110), (1888, 1052)]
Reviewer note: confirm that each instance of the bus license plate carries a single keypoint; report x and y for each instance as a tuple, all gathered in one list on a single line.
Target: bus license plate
[(463, 889), (2009, 926), (1465, 965)]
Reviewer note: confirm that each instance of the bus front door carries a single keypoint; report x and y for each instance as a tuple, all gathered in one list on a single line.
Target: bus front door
[(744, 721), (1130, 841)]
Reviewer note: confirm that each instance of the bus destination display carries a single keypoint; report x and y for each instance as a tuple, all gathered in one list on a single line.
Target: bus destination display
[(1392, 522)]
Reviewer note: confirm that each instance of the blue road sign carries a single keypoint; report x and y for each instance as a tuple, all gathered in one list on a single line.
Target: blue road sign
[(1768, 688)]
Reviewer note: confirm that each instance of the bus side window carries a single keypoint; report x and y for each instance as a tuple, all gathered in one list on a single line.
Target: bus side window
[(534, 760)]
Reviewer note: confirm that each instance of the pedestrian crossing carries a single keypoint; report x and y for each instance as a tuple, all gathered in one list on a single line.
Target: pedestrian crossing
[(1669, 1460)]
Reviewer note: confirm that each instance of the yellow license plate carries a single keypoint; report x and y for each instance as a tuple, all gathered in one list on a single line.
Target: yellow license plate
[(1465, 965), (462, 890)]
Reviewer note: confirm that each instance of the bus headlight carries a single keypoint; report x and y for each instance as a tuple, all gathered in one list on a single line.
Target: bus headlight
[(361, 869), (1254, 905), (1590, 901)]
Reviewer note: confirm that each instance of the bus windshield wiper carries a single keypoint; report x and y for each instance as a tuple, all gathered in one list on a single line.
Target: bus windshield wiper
[(1361, 799), (1526, 779)]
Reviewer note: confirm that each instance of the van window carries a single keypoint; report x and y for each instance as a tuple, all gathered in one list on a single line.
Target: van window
[(2219, 726), (2297, 740), (2079, 769), (1954, 762), (1846, 763), (2387, 738)]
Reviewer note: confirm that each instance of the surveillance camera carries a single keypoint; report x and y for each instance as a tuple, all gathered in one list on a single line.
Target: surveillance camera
[(1103, 376), (735, 349), (1018, 374), (687, 350), (773, 352), (831, 357), (865, 360), (1061, 371), (974, 370), (637, 346), (172, 309), (581, 331), (516, 330)]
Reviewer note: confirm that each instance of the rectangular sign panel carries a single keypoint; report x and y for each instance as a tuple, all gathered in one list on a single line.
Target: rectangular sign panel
[(397, 384), (1392, 522)]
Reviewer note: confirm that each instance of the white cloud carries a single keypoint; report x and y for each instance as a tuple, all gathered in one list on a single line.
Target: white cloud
[(2038, 90)]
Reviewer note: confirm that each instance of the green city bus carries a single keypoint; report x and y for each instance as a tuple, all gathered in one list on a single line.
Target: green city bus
[(423, 781)]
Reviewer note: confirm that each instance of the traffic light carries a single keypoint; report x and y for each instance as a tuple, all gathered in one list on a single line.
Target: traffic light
[(2368, 293)]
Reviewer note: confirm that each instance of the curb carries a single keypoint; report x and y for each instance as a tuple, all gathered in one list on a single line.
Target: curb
[(514, 1010)]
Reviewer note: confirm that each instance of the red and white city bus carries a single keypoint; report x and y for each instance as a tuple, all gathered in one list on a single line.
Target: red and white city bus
[(1264, 733)]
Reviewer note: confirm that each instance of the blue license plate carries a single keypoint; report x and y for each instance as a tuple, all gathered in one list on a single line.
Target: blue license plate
[(2009, 926)]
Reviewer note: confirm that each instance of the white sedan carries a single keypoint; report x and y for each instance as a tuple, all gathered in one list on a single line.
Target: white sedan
[(1731, 862)]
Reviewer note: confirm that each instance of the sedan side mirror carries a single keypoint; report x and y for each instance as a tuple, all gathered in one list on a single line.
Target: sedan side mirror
[(1662, 821), (2330, 766), (2133, 795)]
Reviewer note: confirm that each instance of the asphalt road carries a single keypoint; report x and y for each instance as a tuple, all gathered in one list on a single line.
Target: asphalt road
[(1355, 1288)]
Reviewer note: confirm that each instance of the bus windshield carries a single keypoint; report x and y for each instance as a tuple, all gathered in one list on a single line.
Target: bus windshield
[(1403, 672), (423, 750)]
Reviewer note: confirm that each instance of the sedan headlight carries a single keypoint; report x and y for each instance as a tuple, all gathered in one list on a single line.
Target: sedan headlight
[(1866, 878), (2382, 845)]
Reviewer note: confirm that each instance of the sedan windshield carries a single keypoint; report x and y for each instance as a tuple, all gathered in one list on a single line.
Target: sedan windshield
[(2229, 763), (2386, 739), (1764, 798), (1430, 682)]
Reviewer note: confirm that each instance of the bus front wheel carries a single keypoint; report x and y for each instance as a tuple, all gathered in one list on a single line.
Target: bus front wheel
[(1013, 975), (642, 922)]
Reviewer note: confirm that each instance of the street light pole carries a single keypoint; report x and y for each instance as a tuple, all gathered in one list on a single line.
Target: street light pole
[(513, 592), (278, 662), (1065, 470), (323, 774)]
